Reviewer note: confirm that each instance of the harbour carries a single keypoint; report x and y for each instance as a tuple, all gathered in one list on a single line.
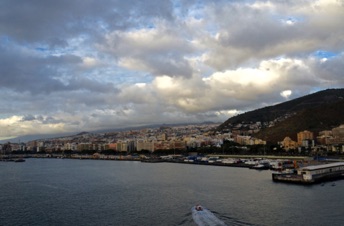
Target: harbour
[(296, 170), (126, 192)]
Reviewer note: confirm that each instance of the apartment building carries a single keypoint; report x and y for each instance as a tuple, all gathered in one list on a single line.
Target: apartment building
[(304, 135)]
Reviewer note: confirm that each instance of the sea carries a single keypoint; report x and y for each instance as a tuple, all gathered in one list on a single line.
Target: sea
[(102, 192)]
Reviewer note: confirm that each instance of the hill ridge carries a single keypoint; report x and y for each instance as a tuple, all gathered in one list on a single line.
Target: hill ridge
[(322, 110)]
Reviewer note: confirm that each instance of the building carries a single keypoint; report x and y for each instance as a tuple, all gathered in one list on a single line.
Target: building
[(304, 135), (145, 145), (312, 174), (288, 144), (131, 146), (243, 140), (122, 146), (84, 147), (318, 172), (334, 137), (338, 131), (325, 137), (112, 146)]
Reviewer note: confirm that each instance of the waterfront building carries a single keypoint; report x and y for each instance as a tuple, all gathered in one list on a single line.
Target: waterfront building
[(84, 147), (131, 145), (179, 144), (317, 172), (192, 142), (122, 146), (139, 145), (161, 145), (145, 145), (70, 146), (112, 146), (304, 135), (312, 174)]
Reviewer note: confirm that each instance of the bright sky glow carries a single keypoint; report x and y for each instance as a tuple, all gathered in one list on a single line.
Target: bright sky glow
[(286, 93), (71, 66)]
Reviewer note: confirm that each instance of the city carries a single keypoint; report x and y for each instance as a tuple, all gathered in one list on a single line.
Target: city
[(174, 112), (203, 138)]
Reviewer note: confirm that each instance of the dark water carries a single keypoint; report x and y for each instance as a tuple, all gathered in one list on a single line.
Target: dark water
[(86, 192)]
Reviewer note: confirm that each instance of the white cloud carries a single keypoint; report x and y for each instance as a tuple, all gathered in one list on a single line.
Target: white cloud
[(286, 93), (121, 64), (15, 126), (90, 62), (159, 50)]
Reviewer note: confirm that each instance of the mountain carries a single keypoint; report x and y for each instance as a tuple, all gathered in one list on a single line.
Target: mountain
[(27, 138), (319, 111), (32, 137)]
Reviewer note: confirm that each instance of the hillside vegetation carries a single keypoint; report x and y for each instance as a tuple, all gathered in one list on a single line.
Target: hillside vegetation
[(315, 112), (324, 117)]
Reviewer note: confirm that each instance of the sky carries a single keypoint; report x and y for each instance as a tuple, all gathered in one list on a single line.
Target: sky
[(85, 65)]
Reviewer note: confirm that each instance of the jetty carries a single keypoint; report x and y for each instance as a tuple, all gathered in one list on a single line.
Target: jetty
[(312, 174)]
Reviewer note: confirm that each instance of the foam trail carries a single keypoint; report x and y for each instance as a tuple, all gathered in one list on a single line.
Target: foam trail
[(206, 218)]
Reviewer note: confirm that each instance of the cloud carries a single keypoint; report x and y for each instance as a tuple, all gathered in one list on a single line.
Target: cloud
[(286, 93), (158, 50), (84, 65), (55, 22), (247, 33), (330, 71)]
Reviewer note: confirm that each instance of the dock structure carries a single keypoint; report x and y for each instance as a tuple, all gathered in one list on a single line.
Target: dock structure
[(312, 174)]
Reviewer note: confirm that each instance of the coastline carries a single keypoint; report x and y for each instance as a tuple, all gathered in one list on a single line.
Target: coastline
[(287, 174)]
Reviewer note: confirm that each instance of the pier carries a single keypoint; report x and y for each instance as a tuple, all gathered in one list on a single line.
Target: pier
[(312, 174)]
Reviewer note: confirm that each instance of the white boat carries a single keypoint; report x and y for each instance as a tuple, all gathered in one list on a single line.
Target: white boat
[(204, 217), (212, 159), (251, 162), (229, 161), (260, 167)]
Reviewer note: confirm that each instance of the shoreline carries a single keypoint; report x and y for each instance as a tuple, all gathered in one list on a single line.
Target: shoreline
[(277, 174)]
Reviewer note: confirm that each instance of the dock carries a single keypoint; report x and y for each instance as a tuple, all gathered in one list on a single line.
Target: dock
[(312, 174)]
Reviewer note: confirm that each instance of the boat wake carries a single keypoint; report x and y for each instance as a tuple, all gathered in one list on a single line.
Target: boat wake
[(204, 217)]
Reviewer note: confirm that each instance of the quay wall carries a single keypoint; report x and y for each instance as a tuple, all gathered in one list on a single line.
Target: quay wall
[(298, 179)]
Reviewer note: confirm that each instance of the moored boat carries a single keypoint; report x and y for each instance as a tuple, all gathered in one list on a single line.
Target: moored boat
[(260, 167)]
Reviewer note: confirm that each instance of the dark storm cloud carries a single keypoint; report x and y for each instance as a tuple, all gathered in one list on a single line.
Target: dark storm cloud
[(27, 73), (41, 119), (22, 72), (91, 85), (52, 22), (28, 118)]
